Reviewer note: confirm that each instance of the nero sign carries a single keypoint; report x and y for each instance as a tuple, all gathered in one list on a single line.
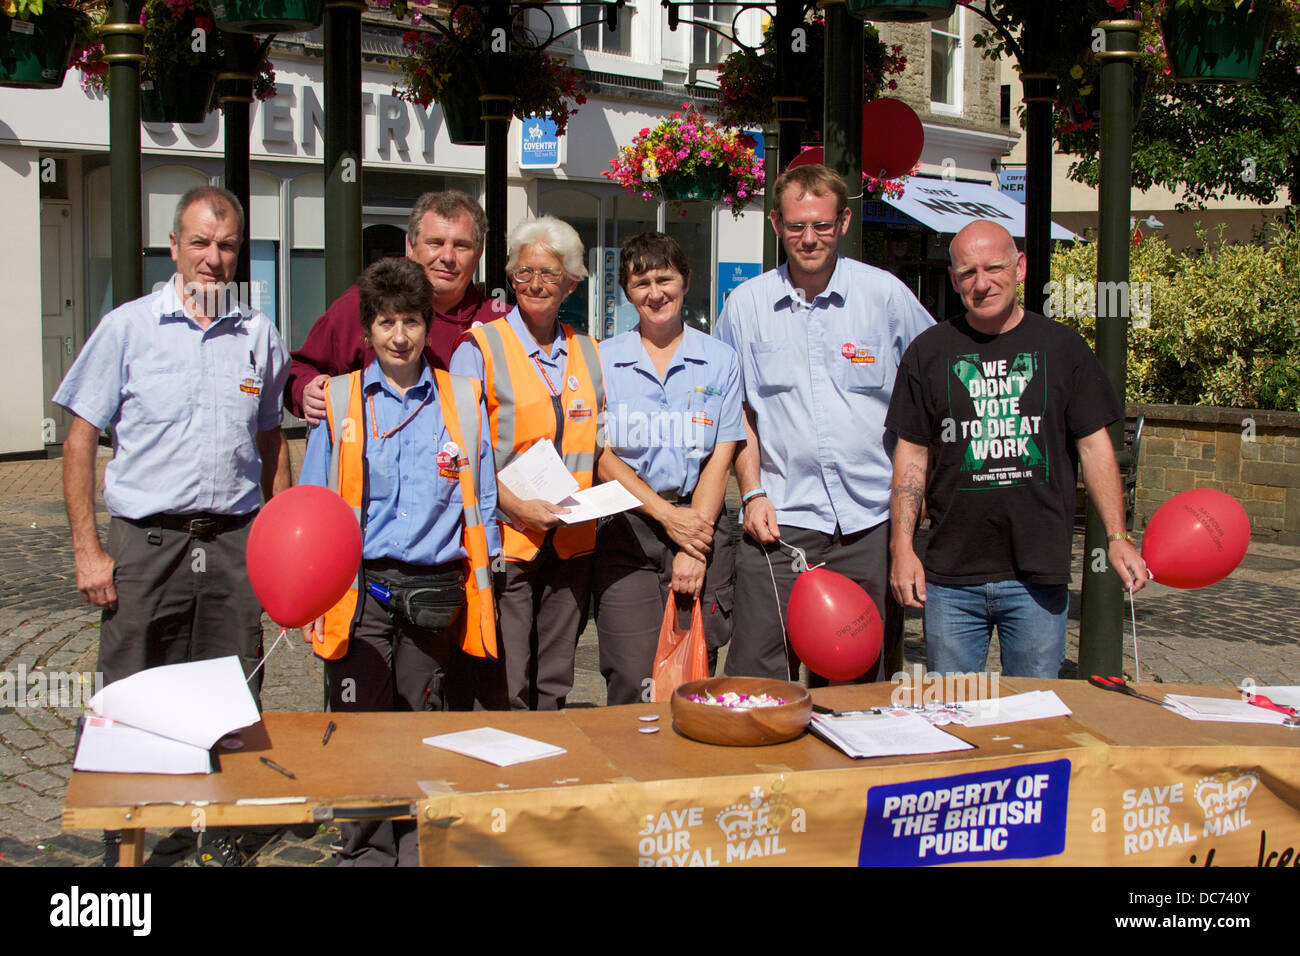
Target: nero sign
[(1016, 813)]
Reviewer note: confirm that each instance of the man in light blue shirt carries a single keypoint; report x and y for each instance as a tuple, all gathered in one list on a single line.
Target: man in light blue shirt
[(190, 379), (819, 340)]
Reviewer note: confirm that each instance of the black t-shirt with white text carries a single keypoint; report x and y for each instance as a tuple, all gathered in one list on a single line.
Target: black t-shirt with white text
[(1001, 415)]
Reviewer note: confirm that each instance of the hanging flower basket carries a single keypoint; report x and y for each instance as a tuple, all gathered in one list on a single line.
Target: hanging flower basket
[(1217, 46), (688, 158), (706, 184), (177, 99), (901, 11), (268, 16), (464, 115), (444, 67), (35, 53)]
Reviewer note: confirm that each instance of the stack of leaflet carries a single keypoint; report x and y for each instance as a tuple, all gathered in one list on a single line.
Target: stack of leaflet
[(1234, 710), (541, 473), (165, 719), (888, 734)]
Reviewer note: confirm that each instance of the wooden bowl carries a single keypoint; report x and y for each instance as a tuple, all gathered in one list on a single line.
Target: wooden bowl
[(741, 727)]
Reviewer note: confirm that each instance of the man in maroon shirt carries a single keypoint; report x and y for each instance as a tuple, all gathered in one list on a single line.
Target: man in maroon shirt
[(445, 236)]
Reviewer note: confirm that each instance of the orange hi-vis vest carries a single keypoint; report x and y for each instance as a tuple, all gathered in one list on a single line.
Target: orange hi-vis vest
[(459, 398), (521, 413)]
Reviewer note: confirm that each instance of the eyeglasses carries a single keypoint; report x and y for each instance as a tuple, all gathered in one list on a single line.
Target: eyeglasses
[(823, 228), (548, 276)]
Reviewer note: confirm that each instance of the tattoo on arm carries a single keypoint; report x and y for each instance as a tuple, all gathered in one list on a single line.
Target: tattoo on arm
[(909, 495)]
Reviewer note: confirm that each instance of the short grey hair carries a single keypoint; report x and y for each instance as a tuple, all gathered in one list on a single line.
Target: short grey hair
[(447, 204), (553, 235), (216, 198)]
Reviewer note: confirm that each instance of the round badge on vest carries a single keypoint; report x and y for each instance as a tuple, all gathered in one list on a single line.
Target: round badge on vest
[(573, 383)]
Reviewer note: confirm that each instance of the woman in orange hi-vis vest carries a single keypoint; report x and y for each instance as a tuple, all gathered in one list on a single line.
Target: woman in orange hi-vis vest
[(542, 380), (408, 448)]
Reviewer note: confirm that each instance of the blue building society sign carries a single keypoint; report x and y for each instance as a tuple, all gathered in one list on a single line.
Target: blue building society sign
[(731, 275), (1014, 813), (539, 144)]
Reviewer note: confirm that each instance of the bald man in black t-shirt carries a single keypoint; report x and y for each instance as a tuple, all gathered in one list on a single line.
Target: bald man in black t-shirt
[(994, 412)]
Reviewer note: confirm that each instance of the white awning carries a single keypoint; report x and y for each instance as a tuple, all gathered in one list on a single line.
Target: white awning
[(947, 205)]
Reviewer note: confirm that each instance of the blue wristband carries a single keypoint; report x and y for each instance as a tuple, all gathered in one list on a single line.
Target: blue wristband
[(750, 496)]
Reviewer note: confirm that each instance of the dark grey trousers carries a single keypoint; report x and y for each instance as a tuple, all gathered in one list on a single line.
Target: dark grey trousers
[(390, 665), (541, 610), (758, 648), (632, 582), (179, 599)]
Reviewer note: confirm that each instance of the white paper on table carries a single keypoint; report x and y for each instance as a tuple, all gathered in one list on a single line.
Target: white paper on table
[(110, 747), (1032, 705), (886, 735), (1220, 709), (196, 703), (539, 473), (1288, 695), (596, 502), (494, 746)]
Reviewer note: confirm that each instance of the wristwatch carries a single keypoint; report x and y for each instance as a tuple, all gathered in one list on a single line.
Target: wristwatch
[(1119, 536)]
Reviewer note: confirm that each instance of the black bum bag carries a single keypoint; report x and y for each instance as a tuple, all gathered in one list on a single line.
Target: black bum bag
[(431, 602)]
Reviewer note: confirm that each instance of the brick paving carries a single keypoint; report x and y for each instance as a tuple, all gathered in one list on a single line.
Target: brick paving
[(1241, 627)]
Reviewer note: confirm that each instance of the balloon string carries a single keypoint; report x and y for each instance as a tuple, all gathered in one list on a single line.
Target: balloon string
[(1137, 664), (779, 615), (283, 632)]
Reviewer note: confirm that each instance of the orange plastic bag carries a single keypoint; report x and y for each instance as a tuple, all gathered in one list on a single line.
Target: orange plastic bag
[(682, 655)]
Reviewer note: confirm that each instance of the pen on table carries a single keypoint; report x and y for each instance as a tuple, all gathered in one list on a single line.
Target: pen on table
[(276, 767), (328, 733)]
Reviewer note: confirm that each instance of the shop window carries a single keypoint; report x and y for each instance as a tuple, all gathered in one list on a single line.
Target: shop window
[(306, 293), (946, 64), (694, 233), (710, 49), (599, 38)]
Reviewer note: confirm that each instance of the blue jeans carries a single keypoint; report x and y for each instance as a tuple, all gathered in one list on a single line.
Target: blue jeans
[(1030, 619)]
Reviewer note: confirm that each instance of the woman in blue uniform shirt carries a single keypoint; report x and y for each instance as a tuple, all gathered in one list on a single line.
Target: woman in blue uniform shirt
[(672, 412)]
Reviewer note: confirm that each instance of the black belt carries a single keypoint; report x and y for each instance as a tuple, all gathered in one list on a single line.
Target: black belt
[(199, 524), (393, 568)]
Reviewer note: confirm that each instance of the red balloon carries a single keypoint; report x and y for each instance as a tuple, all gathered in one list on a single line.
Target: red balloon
[(303, 553), (1196, 538), (892, 138), (809, 157), (834, 625)]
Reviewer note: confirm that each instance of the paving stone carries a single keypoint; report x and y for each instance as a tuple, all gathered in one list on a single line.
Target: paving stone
[(24, 828), (45, 756), (11, 792), (21, 740), (14, 851), (77, 845), (40, 781), (39, 807), (43, 720)]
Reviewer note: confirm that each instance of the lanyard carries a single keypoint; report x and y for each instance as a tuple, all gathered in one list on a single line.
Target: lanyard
[(374, 422), (555, 392)]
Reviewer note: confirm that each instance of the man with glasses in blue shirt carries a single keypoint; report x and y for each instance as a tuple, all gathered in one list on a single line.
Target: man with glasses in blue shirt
[(819, 338)]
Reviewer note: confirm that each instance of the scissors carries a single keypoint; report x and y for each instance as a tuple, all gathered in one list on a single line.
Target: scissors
[(1120, 686)]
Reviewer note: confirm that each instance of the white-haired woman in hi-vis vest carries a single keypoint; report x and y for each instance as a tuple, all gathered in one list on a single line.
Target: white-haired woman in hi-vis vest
[(542, 381)]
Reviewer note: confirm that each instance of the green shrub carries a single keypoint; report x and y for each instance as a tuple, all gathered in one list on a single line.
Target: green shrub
[(1224, 324)]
